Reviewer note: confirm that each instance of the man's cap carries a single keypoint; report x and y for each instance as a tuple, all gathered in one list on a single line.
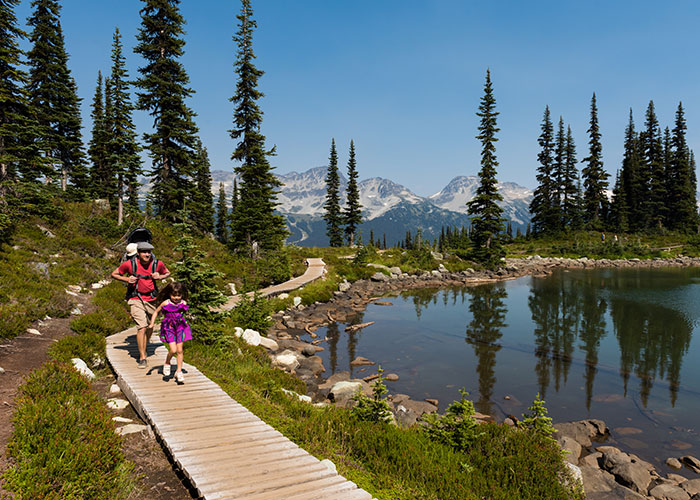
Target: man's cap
[(144, 245), (131, 249)]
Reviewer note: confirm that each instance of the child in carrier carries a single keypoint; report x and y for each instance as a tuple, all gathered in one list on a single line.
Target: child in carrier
[(174, 330)]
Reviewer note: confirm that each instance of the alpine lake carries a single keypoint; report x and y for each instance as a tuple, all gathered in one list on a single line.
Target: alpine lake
[(621, 345)]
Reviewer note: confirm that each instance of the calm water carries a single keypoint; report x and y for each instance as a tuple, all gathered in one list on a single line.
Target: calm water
[(620, 345)]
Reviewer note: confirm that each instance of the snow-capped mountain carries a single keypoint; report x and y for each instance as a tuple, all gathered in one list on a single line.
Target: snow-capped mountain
[(389, 209), (454, 197)]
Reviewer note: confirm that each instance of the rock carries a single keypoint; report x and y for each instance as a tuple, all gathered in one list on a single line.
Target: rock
[(251, 337), (232, 287), (391, 377), (668, 492), (74, 288), (627, 431), (419, 407), (33, 331), (360, 361), (575, 473), (582, 431), (342, 392), (238, 331), (296, 301), (268, 344), (433, 402), (122, 420), (674, 463), (286, 360), (601, 485), (334, 379), (590, 460), (117, 404), (314, 364), (676, 478), (633, 475), (46, 232), (509, 422), (82, 368), (405, 417), (692, 487), (344, 286), (131, 429), (2, 370), (436, 256), (114, 389), (329, 465), (395, 271), (692, 463), (309, 350), (304, 398), (76, 311), (571, 447), (379, 277), (41, 268)]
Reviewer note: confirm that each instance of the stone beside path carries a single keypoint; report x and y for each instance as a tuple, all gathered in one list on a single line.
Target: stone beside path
[(224, 450)]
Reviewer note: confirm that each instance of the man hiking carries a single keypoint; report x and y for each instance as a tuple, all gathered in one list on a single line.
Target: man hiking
[(140, 272)]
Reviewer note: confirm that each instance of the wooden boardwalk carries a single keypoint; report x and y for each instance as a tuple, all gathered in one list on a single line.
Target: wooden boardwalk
[(224, 450)]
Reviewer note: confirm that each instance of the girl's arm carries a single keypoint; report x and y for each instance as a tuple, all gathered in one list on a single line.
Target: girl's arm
[(155, 315)]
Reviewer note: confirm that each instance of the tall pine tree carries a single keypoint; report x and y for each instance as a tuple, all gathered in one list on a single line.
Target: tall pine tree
[(332, 216), (570, 194), (633, 181), (163, 90), (487, 221), (595, 179), (352, 215), (17, 127), (123, 149), (254, 218), (542, 207), (100, 175), (202, 199), (653, 157), (54, 100), (221, 229), (682, 183)]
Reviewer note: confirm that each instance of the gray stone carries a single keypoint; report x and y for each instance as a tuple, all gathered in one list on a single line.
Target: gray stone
[(575, 473), (114, 389), (692, 463), (286, 360), (379, 277), (391, 377), (41, 268), (668, 492), (692, 486), (131, 429), (571, 447), (405, 417), (82, 368), (633, 475), (268, 344), (342, 392), (46, 232), (122, 420), (674, 463), (361, 361), (309, 350), (33, 331), (344, 286), (251, 337), (2, 370), (117, 404), (601, 485), (613, 457), (590, 460)]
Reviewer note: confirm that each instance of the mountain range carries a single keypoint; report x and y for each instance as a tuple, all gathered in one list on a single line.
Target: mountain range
[(389, 209)]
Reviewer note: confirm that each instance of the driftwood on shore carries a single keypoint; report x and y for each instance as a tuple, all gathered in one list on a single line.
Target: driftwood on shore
[(359, 326)]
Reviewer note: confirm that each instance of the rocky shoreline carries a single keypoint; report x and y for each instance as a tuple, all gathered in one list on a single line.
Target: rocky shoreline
[(606, 471)]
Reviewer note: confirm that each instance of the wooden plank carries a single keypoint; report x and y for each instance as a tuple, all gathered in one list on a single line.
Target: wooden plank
[(283, 486)]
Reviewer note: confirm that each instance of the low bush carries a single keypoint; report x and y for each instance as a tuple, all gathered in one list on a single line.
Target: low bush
[(87, 346), (251, 313), (456, 428), (64, 445), (375, 408)]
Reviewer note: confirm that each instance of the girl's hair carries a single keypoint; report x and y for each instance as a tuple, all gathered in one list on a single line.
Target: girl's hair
[(169, 289)]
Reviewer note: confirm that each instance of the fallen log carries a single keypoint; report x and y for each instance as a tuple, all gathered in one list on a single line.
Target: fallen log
[(359, 326)]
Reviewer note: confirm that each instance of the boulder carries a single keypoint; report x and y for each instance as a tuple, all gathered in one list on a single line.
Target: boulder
[(344, 286), (590, 460), (674, 463), (379, 277), (692, 487), (575, 473), (334, 379), (287, 360), (391, 377), (405, 417), (601, 485), (361, 361), (296, 301), (268, 344), (251, 337), (342, 392), (692, 463), (117, 404), (82, 368), (131, 429), (571, 447), (33, 331), (314, 364), (668, 492), (635, 476)]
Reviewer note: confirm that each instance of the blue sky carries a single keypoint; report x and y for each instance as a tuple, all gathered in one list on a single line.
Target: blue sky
[(403, 78)]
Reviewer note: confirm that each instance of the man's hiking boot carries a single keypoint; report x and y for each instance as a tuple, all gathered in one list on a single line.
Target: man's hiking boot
[(143, 364)]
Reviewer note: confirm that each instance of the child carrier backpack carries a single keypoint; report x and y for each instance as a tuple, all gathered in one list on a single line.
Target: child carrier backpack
[(138, 235)]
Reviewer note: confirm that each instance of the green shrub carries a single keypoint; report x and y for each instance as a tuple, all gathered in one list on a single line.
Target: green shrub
[(364, 254), (537, 420), (64, 445), (273, 268), (101, 226), (375, 408), (86, 346), (456, 428), (252, 313)]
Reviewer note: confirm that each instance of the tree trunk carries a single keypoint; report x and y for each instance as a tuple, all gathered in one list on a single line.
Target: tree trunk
[(120, 212), (64, 179)]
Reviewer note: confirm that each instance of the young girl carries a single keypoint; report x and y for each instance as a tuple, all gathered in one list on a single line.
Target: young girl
[(174, 330)]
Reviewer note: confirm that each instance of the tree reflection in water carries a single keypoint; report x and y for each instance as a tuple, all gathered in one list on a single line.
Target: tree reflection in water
[(483, 333)]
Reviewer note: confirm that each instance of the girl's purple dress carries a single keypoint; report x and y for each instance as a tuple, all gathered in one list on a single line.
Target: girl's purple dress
[(174, 328)]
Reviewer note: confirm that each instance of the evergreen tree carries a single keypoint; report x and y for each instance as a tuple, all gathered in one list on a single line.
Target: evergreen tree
[(202, 199), (558, 175), (234, 204), (682, 183), (333, 217), (633, 182), (17, 127), (123, 149), (571, 194), (253, 219), (487, 221), (619, 213), (595, 179), (353, 211), (54, 100), (163, 90), (542, 207), (653, 156), (97, 147), (221, 230)]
